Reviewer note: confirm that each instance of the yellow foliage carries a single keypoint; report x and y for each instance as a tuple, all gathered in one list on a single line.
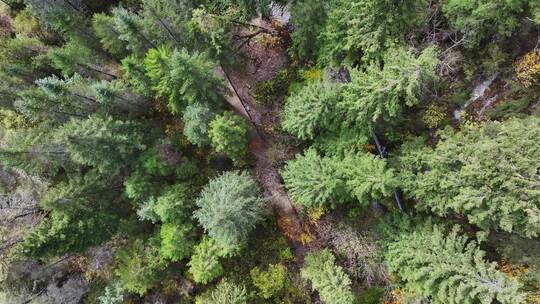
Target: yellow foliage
[(434, 116), (313, 74), (315, 214), (528, 69), (306, 238)]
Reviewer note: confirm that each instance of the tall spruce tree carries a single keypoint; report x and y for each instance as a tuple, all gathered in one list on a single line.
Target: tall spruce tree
[(447, 268)]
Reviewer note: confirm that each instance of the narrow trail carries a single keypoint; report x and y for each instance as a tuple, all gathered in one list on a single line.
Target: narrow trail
[(266, 173)]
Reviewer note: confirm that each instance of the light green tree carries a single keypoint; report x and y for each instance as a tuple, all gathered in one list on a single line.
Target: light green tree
[(229, 134), (176, 241), (197, 118), (329, 279), (447, 268), (380, 95), (225, 292), (311, 109), (230, 206), (204, 265), (269, 282)]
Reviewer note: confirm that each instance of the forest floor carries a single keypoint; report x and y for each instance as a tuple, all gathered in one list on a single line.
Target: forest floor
[(262, 63)]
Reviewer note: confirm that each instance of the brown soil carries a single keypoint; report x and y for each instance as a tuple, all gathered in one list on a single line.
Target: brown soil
[(262, 63)]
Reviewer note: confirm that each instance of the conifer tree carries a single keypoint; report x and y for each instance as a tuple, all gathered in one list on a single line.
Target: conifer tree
[(361, 29), (204, 265), (131, 30), (329, 279), (225, 292), (176, 241), (487, 173), (230, 206), (229, 134), (447, 267), (314, 181), (182, 78), (310, 109), (102, 142), (104, 28), (380, 95), (197, 118)]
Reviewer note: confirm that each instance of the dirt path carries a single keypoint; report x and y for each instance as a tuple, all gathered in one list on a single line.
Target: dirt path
[(288, 219)]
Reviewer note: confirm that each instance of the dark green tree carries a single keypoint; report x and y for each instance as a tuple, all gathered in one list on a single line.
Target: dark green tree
[(486, 173)]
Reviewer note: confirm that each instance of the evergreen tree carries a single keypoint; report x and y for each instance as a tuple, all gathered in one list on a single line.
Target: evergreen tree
[(477, 20), (379, 94), (176, 241), (102, 142), (130, 27), (230, 206), (229, 134), (447, 267), (204, 265), (133, 74), (366, 29), (23, 58), (197, 118), (314, 181), (487, 173), (329, 279), (104, 28), (225, 293), (175, 204), (139, 265), (310, 109), (308, 18), (182, 78)]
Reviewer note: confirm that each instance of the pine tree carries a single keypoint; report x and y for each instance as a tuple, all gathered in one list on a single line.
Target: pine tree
[(376, 94), (308, 18), (367, 29), (104, 28), (102, 142), (225, 292), (131, 30), (329, 279), (229, 134), (230, 206), (197, 118), (175, 204), (486, 173), (204, 265), (139, 265), (176, 241), (182, 78), (310, 109), (447, 267), (314, 181)]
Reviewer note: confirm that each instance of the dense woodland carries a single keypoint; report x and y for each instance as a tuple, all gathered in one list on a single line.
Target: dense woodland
[(257, 151)]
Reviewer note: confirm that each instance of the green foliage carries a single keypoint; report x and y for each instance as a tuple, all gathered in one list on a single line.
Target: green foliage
[(480, 19), (154, 164), (271, 281), (376, 94), (329, 279), (182, 78), (225, 292), (102, 142), (133, 74), (367, 29), (308, 18), (175, 204), (270, 91), (318, 182), (113, 295), (230, 206), (314, 181), (176, 241), (447, 267), (310, 109), (486, 173), (204, 265), (23, 58), (70, 231), (139, 265), (229, 134), (130, 29), (139, 187), (197, 118), (103, 27)]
